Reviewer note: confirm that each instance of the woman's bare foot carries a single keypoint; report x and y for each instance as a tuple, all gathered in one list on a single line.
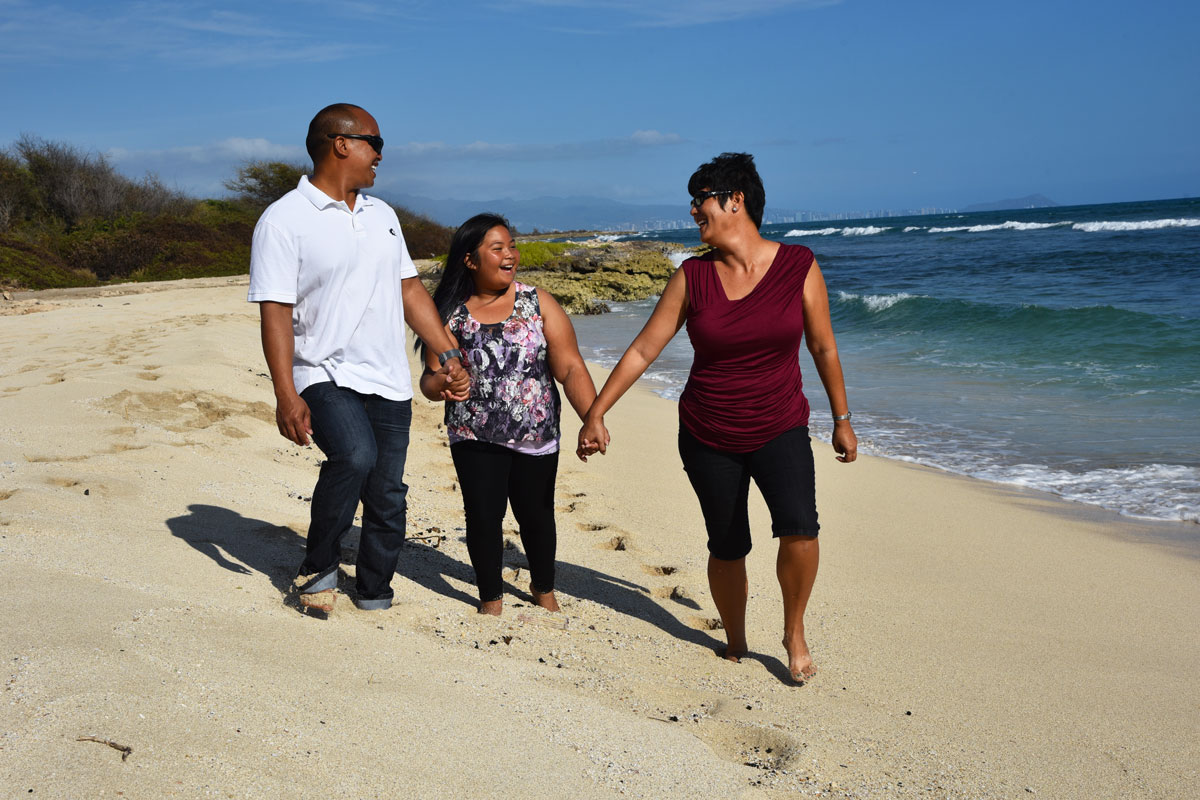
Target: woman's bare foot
[(800, 662), (546, 600), (493, 607), (734, 651)]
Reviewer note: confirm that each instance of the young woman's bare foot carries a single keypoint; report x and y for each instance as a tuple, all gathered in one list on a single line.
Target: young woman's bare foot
[(800, 662), (734, 651), (493, 607), (546, 600)]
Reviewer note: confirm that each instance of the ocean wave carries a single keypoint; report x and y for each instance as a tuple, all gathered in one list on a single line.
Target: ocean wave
[(1148, 491), (876, 302), (792, 234), (679, 256), (1002, 226), (1143, 225), (868, 230)]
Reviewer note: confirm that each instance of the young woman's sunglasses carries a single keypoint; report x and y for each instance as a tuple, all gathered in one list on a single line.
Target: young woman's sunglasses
[(376, 142)]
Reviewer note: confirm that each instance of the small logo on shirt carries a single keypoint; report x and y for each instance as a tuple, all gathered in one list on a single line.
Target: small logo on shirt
[(392, 231)]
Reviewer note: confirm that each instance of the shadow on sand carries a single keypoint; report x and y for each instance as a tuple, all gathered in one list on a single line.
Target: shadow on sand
[(245, 545)]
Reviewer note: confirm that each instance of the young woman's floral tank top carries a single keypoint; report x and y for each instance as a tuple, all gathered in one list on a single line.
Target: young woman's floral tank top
[(513, 401)]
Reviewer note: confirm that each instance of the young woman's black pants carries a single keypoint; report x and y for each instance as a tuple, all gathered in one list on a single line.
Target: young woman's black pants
[(491, 477)]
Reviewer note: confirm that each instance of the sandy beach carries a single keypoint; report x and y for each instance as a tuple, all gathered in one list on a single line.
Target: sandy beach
[(973, 641)]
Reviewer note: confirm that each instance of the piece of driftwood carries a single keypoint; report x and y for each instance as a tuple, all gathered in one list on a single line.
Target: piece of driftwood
[(125, 749)]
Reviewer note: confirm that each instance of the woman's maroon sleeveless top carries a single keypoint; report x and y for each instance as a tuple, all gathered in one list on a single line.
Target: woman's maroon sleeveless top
[(744, 388)]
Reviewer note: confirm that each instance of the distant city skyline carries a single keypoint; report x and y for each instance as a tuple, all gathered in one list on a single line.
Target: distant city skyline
[(846, 104)]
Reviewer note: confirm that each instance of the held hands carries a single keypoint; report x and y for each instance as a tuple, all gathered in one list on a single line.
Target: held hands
[(454, 382), (293, 418), (593, 438)]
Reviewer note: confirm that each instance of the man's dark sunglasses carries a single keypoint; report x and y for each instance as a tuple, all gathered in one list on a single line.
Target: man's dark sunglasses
[(699, 198), (376, 142)]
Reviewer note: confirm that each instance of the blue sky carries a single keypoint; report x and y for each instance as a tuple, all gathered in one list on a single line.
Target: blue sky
[(846, 104)]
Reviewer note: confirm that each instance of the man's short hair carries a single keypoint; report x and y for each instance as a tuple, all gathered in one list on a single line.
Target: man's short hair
[(336, 118)]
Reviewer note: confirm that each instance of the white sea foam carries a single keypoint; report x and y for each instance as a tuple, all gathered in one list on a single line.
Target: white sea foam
[(876, 302), (678, 257), (1143, 225), (869, 230), (818, 232), (1002, 226), (912, 228), (608, 237)]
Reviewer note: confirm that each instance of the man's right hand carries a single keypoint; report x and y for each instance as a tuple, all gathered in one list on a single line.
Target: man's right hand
[(293, 418)]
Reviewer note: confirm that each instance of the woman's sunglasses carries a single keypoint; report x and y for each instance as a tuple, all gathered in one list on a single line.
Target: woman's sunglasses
[(699, 198)]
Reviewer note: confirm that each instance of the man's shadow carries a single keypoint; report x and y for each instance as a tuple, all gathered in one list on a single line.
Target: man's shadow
[(241, 544)]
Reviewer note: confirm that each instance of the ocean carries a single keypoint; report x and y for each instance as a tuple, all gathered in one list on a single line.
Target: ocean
[(1055, 348)]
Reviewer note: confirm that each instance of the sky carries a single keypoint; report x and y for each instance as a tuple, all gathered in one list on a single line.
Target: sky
[(845, 104)]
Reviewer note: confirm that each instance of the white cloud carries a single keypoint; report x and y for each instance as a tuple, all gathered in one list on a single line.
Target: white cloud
[(672, 13), (553, 151), (180, 32)]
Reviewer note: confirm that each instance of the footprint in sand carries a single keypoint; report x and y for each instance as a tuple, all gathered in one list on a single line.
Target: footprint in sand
[(707, 624), (748, 744), (616, 543), (679, 594), (4, 495), (591, 526), (660, 571)]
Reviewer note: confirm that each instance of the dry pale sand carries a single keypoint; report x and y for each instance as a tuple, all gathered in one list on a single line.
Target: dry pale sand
[(972, 641)]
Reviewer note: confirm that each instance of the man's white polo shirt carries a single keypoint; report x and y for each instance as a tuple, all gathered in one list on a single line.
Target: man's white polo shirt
[(341, 270)]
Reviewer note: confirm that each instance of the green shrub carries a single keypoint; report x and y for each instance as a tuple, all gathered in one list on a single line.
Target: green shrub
[(535, 254)]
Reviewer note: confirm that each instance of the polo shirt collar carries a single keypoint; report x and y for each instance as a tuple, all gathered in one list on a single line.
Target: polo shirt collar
[(322, 200)]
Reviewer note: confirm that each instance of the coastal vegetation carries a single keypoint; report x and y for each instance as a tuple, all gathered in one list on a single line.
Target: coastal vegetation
[(68, 218)]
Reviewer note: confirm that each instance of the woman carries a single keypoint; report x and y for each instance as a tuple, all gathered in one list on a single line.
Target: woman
[(515, 342), (747, 304)]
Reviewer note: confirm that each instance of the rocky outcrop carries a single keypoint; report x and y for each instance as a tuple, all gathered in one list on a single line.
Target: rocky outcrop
[(582, 278)]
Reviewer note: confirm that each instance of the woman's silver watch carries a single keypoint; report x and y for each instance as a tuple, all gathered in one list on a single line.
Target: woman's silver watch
[(453, 352), (840, 417)]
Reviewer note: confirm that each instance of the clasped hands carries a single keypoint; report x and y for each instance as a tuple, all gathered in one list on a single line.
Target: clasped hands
[(455, 383), (593, 438)]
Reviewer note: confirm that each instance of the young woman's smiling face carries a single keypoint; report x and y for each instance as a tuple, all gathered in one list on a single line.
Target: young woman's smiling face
[(494, 264)]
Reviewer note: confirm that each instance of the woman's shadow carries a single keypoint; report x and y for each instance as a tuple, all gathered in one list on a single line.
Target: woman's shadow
[(429, 567)]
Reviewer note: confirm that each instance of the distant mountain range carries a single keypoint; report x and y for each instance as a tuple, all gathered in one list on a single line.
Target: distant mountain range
[(597, 213), (553, 213), (1028, 201)]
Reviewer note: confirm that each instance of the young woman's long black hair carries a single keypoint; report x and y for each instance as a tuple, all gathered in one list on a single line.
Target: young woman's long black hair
[(455, 285)]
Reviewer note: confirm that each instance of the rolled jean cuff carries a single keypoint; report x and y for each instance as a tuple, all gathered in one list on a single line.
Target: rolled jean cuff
[(321, 583), (377, 604)]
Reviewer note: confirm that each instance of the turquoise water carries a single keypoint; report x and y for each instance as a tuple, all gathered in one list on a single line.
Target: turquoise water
[(1057, 349)]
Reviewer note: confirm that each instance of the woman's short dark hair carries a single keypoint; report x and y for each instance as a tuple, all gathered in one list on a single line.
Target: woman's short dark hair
[(455, 285), (732, 172)]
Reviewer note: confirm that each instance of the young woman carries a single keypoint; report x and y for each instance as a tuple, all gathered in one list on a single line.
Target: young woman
[(747, 303), (516, 341)]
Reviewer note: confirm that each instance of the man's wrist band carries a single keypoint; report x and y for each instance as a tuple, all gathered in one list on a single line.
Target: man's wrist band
[(840, 417), (449, 354)]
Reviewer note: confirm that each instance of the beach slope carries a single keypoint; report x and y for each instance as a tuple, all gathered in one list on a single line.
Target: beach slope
[(972, 641)]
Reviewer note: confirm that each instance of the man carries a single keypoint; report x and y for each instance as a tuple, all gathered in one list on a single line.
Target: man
[(335, 285)]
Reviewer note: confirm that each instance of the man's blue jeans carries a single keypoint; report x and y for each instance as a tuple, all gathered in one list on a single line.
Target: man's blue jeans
[(365, 441)]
